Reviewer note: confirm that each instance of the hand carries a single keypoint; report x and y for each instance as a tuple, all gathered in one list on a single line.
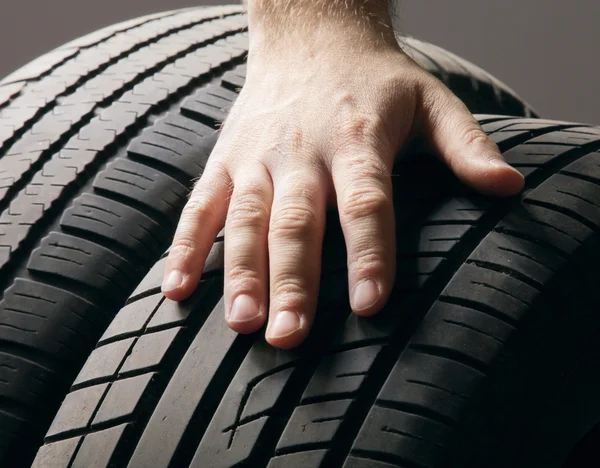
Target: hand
[(319, 127)]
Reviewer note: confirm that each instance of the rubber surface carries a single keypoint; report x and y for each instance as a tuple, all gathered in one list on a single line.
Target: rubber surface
[(99, 143), (494, 306)]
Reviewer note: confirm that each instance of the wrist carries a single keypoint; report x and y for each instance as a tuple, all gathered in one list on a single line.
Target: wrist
[(282, 24)]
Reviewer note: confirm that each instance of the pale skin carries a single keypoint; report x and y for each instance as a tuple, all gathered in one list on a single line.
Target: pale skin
[(330, 98)]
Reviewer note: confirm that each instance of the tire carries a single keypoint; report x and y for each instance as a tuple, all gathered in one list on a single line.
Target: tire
[(487, 354), (99, 143)]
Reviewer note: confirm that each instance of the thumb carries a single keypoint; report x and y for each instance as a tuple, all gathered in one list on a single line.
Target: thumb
[(459, 140)]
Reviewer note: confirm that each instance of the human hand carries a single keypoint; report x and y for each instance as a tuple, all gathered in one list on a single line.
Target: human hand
[(314, 128)]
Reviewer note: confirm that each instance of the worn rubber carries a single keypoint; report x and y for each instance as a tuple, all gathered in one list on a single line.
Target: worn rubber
[(494, 308), (99, 142)]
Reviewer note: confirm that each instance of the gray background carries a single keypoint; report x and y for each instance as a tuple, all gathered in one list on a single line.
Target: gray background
[(547, 50)]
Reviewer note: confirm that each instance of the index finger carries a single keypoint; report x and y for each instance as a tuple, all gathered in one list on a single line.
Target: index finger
[(201, 220)]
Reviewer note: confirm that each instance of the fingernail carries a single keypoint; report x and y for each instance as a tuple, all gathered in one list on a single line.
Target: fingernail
[(244, 309), (499, 163), (285, 324), (173, 280), (366, 294)]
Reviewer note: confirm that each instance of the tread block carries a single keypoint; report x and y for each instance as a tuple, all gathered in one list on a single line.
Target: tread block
[(149, 350), (69, 257), (144, 185), (211, 103), (122, 399), (567, 138), (170, 313), (56, 453), (438, 389), (77, 410), (446, 375), (104, 217), (459, 209), (539, 230), (392, 432), (98, 448), (152, 281), (245, 438), (444, 327), (565, 196), (234, 79), (496, 124), (50, 314), (342, 373), (189, 144), (503, 294), (298, 460), (587, 166), (132, 318), (104, 361), (534, 154), (314, 423), (519, 254), (24, 380), (432, 239)]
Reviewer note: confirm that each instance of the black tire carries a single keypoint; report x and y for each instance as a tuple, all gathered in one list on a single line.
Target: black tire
[(99, 142), (487, 354)]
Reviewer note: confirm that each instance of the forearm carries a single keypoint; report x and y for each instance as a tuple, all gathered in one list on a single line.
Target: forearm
[(284, 21)]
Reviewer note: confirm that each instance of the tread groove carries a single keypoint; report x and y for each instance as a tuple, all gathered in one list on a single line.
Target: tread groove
[(584, 177), (567, 212), (476, 330), (419, 410), (450, 354), (528, 257), (534, 240), (502, 291), (508, 272), (437, 387), (574, 195)]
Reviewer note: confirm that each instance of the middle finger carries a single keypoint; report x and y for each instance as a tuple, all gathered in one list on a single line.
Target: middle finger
[(295, 244)]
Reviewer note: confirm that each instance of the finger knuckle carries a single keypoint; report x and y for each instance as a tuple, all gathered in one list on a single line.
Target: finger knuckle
[(289, 289), (183, 247), (474, 136), (199, 206), (361, 129), (294, 220), (243, 272), (248, 210), (367, 167), (367, 258), (363, 202)]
